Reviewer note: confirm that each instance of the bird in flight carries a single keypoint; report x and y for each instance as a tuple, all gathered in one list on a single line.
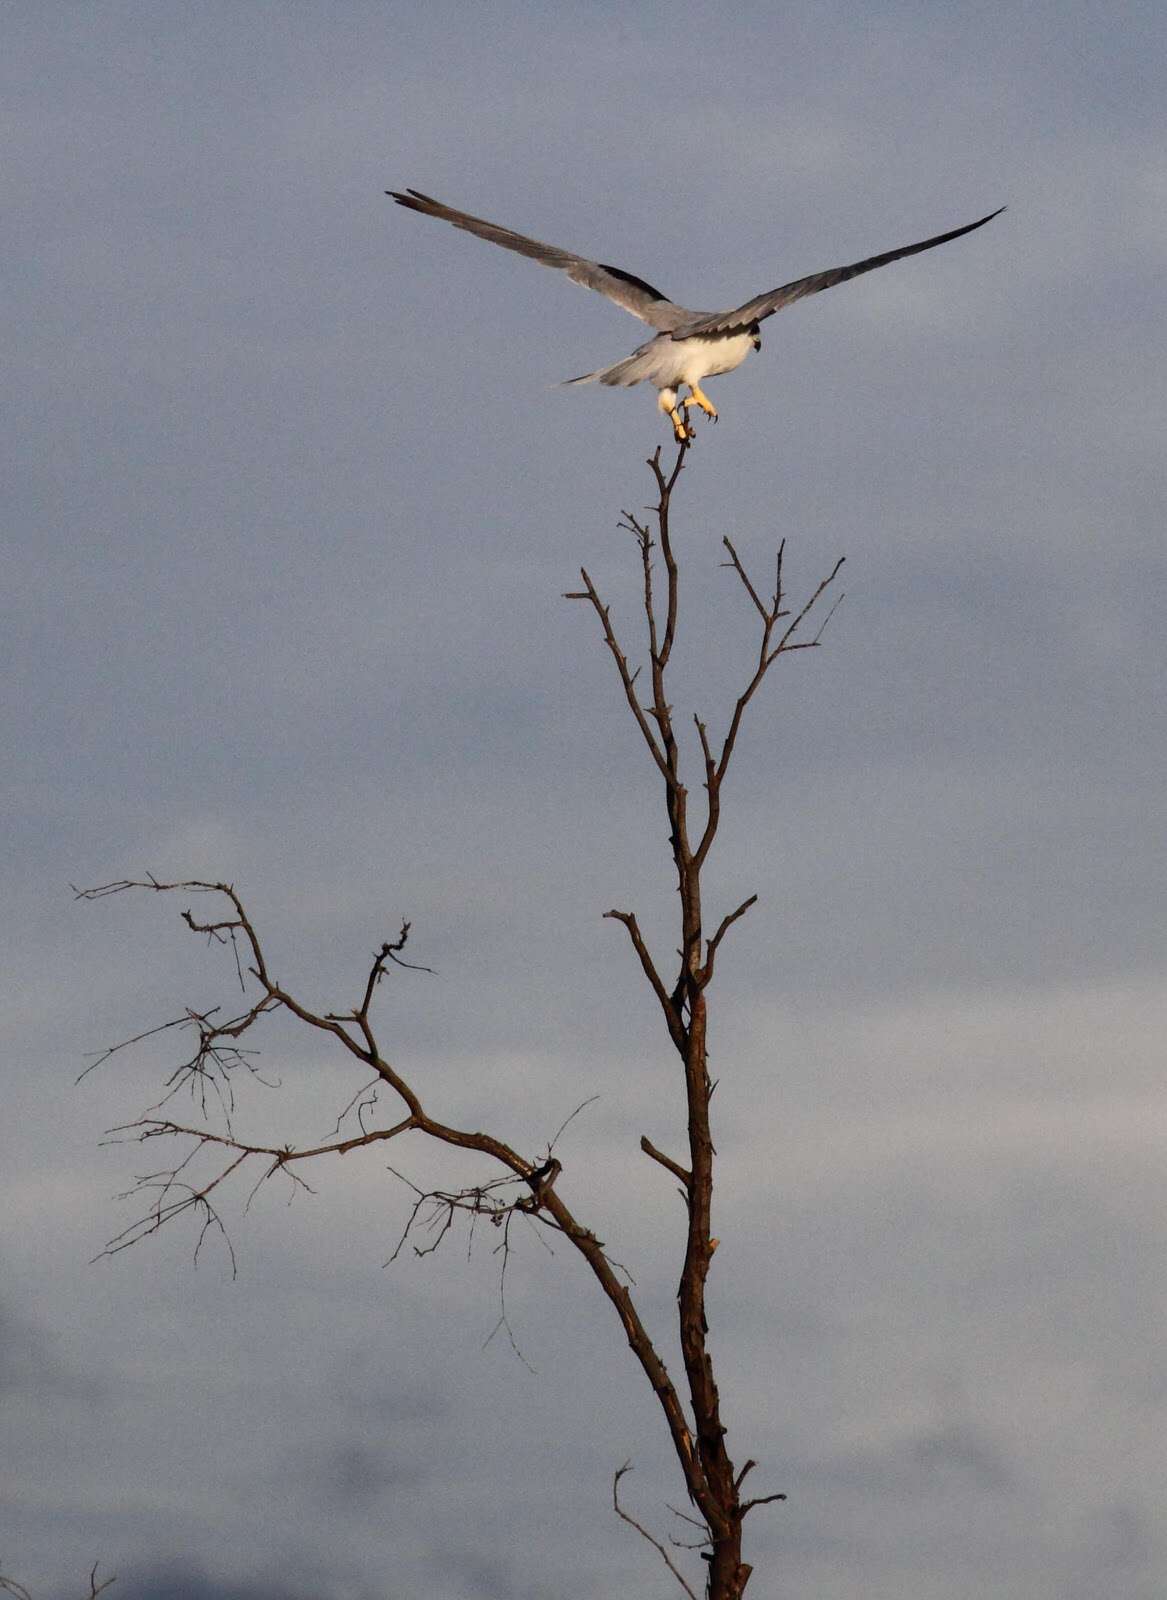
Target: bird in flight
[(689, 345)]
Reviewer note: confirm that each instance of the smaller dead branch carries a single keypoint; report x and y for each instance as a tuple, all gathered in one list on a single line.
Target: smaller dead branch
[(667, 1001), (568, 1120), (726, 923), (644, 1533), (524, 1187), (434, 1210), (682, 1175)]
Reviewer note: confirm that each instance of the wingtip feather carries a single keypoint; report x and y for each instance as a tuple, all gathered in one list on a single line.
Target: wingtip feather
[(412, 199)]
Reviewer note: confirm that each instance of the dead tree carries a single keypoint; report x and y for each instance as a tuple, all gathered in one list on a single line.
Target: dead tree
[(223, 1053)]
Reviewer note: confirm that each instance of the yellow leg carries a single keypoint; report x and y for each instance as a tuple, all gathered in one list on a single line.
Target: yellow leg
[(681, 428), (696, 398)]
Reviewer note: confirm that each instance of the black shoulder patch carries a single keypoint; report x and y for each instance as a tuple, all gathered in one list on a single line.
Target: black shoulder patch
[(637, 283)]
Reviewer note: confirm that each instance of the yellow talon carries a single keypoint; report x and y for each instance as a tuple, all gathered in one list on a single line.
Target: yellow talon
[(696, 398), (681, 428)]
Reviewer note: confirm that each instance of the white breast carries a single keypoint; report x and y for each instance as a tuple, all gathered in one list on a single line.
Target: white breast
[(699, 358)]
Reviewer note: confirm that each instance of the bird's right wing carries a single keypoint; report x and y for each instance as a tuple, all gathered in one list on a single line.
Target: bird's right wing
[(764, 305), (630, 292)]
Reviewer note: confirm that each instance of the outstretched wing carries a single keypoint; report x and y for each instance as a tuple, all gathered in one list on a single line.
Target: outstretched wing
[(765, 305), (626, 290)]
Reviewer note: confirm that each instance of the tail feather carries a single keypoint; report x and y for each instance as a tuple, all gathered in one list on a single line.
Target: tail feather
[(620, 373)]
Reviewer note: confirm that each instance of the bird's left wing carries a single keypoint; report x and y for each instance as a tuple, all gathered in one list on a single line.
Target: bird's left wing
[(626, 290), (764, 305)]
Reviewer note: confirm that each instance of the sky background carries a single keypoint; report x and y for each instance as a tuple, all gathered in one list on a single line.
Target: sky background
[(291, 501)]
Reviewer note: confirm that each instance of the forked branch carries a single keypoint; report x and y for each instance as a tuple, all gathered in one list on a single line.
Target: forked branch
[(526, 1187)]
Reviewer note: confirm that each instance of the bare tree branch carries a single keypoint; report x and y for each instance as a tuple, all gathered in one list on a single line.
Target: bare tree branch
[(173, 1196), (568, 1120), (668, 1006), (770, 613), (678, 1171), (627, 676), (762, 1500), (726, 923), (504, 1320), (643, 1532)]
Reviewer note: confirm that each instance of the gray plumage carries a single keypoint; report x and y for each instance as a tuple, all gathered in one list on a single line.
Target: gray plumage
[(689, 345)]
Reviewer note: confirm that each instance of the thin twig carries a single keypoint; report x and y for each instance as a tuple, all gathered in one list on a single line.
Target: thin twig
[(504, 1320), (643, 1532), (583, 1105)]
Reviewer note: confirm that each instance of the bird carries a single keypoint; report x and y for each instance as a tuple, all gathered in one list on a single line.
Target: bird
[(689, 346)]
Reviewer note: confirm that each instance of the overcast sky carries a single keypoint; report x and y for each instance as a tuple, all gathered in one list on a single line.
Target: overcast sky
[(291, 501)]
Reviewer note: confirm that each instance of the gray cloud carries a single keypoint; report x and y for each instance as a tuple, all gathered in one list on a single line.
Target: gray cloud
[(950, 1459), (32, 1365)]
